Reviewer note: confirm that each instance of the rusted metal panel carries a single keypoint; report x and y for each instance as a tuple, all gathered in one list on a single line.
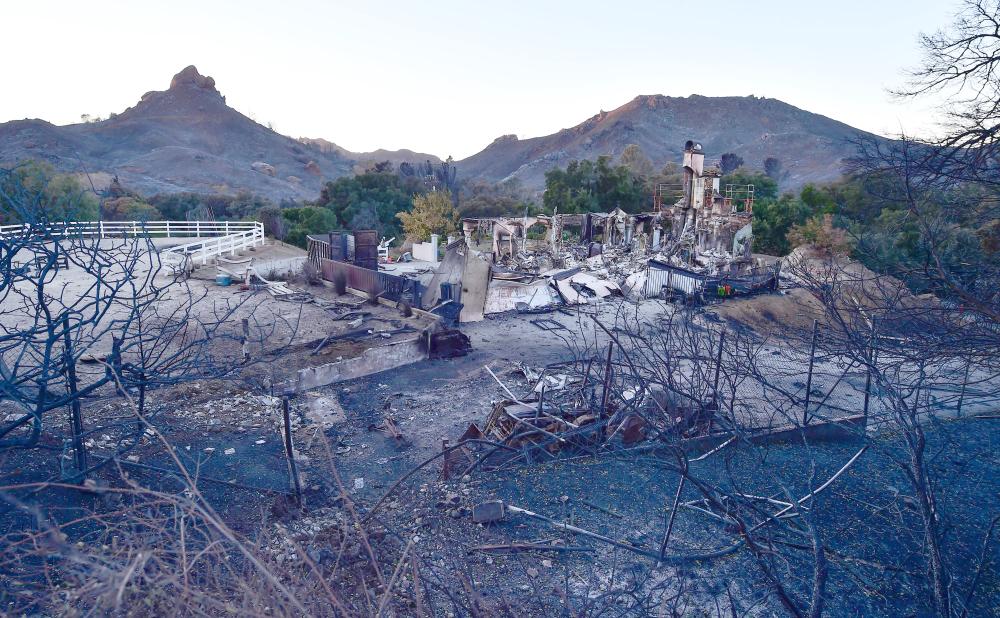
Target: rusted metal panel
[(374, 282), (366, 249), (341, 246)]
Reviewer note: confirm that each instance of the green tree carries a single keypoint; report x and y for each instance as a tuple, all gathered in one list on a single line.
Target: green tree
[(764, 187), (730, 162), (773, 168), (307, 220), (820, 232), (374, 198), (485, 199), (772, 220), (130, 208), (433, 213), (52, 196), (636, 161), (593, 186)]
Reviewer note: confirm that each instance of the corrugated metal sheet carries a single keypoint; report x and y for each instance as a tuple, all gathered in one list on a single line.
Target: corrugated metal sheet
[(663, 276)]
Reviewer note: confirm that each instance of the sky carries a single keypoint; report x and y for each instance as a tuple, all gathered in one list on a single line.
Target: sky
[(448, 78)]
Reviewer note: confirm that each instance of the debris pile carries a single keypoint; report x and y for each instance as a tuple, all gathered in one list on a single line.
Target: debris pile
[(697, 247), (585, 407)]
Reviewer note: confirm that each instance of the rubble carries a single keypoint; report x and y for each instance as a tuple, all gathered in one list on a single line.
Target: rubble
[(569, 410), (698, 246)]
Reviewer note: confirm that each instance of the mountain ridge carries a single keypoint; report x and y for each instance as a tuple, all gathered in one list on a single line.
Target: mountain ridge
[(186, 138), (811, 147), (401, 155)]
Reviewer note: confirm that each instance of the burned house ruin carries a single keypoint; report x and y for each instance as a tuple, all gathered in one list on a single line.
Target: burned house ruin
[(697, 247), (694, 244)]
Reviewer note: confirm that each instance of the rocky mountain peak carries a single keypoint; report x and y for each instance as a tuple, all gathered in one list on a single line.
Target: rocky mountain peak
[(509, 138), (190, 77)]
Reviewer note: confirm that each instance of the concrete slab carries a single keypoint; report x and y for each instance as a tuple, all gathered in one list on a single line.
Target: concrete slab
[(449, 271), (475, 281)]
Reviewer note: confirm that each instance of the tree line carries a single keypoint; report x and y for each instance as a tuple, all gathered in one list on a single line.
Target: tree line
[(868, 213)]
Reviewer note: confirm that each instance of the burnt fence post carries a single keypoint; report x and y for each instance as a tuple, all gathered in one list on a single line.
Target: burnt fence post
[(715, 381), (290, 452), (809, 378), (76, 418), (445, 463), (245, 340), (868, 372)]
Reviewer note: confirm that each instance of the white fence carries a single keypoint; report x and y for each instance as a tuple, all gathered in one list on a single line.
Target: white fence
[(219, 237)]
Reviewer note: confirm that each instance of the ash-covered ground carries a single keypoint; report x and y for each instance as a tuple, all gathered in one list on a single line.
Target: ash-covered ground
[(365, 453)]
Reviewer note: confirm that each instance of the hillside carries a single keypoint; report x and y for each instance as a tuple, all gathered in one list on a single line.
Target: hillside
[(182, 139), (811, 147), (187, 139), (403, 155)]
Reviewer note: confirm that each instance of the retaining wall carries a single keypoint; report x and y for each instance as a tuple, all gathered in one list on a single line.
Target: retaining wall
[(372, 360)]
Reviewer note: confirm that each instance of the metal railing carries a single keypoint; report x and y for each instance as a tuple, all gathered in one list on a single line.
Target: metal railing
[(220, 237), (318, 250)]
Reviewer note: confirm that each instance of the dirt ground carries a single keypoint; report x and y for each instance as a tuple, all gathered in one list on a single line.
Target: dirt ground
[(229, 432)]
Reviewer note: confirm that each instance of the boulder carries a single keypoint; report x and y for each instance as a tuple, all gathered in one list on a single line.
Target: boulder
[(190, 76), (263, 168)]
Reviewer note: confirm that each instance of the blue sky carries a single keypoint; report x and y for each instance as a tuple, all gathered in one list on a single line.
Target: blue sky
[(449, 77)]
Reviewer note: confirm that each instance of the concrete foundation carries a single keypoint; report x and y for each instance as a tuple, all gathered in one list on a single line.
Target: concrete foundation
[(372, 360)]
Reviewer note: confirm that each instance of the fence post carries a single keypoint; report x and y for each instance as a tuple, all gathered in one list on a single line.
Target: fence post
[(290, 452), (76, 421), (100, 229), (809, 379), (168, 229), (246, 340), (715, 381), (113, 370), (868, 371)]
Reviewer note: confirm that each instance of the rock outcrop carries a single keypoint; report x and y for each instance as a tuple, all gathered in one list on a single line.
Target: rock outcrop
[(263, 168), (185, 138), (190, 76)]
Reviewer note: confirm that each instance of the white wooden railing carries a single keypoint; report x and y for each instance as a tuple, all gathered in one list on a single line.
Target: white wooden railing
[(202, 250), (215, 237)]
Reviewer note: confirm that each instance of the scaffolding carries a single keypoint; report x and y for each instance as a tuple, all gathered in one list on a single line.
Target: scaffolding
[(739, 198), (667, 191)]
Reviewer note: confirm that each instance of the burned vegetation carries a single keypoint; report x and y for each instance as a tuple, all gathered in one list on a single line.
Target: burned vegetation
[(543, 422)]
